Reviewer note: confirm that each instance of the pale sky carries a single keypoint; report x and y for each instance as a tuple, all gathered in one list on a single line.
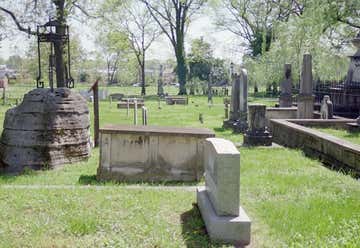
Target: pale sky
[(225, 44)]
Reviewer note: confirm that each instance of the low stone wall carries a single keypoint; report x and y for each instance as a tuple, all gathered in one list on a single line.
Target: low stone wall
[(280, 113), (331, 150), (330, 123), (151, 153)]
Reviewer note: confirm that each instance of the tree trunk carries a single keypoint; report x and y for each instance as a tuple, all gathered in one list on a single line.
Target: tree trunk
[(143, 90), (181, 69), (59, 46)]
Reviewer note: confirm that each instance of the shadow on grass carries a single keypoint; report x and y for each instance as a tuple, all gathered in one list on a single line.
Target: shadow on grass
[(8, 175), (92, 180), (194, 230)]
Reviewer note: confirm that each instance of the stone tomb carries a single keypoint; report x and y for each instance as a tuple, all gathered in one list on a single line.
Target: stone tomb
[(151, 153), (219, 200), (46, 130), (177, 100)]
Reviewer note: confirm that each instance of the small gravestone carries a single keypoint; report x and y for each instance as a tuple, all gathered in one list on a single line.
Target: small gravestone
[(226, 111), (257, 134), (219, 200), (285, 100), (201, 118), (305, 99)]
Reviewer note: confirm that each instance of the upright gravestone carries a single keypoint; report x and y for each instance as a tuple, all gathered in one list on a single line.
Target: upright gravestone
[(285, 99), (305, 99), (238, 103), (219, 200), (160, 82), (257, 134), (241, 125)]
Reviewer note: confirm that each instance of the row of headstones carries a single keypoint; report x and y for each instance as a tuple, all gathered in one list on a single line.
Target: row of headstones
[(305, 98)]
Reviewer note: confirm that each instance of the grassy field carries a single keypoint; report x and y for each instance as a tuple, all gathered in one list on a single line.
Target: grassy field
[(343, 134), (292, 200)]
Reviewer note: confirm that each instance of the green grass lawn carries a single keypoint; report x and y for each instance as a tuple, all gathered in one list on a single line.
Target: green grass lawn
[(343, 134), (292, 200)]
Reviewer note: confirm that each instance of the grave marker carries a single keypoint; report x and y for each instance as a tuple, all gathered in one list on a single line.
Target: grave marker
[(219, 200), (305, 98)]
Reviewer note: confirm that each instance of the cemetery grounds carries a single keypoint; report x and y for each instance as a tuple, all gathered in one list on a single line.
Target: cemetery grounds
[(293, 201)]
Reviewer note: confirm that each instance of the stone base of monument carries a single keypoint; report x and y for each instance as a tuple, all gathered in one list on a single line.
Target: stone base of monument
[(229, 229), (228, 124), (48, 129), (257, 139), (237, 126), (240, 126), (285, 101)]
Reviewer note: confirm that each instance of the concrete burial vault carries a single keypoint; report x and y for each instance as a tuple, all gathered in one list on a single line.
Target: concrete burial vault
[(151, 153)]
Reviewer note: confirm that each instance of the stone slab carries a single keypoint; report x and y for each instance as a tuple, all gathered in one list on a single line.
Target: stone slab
[(158, 130), (235, 230)]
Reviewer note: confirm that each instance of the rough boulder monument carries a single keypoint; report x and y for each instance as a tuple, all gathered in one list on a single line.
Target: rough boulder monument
[(46, 130)]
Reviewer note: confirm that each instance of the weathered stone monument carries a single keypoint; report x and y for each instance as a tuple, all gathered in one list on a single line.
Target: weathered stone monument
[(46, 130), (51, 126), (285, 99), (238, 103), (326, 109), (219, 200), (257, 134), (305, 100)]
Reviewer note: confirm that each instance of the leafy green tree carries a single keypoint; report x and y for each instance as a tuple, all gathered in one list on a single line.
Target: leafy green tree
[(200, 60), (174, 17), (133, 19)]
